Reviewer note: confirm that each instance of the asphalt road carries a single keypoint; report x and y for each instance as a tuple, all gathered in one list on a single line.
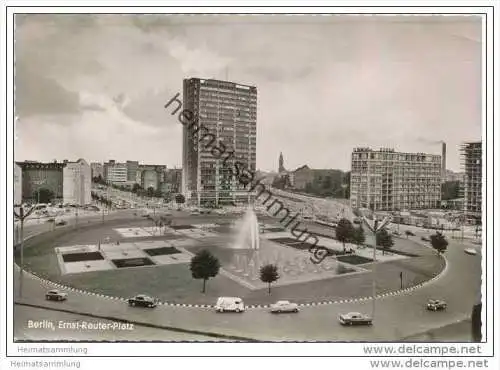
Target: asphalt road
[(396, 317)]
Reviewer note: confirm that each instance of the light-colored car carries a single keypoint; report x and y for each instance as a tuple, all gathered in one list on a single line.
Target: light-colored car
[(56, 295), (355, 318), (470, 251), (229, 304), (436, 305), (284, 306)]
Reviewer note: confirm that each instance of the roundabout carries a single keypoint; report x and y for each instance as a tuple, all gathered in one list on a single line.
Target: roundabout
[(400, 314), (124, 257)]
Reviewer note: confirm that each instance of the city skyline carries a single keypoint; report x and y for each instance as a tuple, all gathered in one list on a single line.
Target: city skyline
[(104, 100)]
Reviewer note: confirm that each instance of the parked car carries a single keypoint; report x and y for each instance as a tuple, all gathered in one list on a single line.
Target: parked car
[(436, 305), (284, 306), (425, 239), (355, 318), (56, 295), (470, 251), (396, 233), (61, 223), (229, 304), (142, 300)]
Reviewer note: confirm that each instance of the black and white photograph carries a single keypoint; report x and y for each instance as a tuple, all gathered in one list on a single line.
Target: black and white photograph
[(216, 178)]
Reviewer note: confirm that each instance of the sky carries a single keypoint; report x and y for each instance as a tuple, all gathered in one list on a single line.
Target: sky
[(95, 86)]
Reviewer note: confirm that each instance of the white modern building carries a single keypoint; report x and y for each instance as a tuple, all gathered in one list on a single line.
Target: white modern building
[(77, 179), (18, 184), (115, 172)]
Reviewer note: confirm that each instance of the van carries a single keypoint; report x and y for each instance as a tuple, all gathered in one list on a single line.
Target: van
[(233, 304)]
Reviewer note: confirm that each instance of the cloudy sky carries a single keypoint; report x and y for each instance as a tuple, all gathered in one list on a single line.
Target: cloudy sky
[(95, 86)]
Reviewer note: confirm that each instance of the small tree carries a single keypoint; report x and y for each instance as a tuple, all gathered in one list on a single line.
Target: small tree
[(204, 265), (180, 199), (151, 192), (384, 240), (408, 233), (269, 274), (43, 195), (344, 231), (358, 236), (439, 242)]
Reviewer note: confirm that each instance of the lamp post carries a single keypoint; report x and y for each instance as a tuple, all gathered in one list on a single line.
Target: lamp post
[(375, 226), (21, 216)]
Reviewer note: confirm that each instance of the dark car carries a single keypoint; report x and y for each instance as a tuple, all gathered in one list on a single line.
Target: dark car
[(56, 295), (425, 239), (142, 300), (436, 305), (355, 318), (61, 223)]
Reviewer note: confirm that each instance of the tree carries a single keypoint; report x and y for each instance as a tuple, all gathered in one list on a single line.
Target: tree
[(408, 233), (204, 265), (344, 231), (43, 195), (269, 274), (158, 193), (180, 199), (358, 236), (439, 242), (384, 240), (151, 191)]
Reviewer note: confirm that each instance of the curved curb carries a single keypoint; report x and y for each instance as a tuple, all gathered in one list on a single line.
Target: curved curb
[(253, 307)]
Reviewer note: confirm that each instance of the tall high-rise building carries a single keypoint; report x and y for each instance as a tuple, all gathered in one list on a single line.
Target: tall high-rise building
[(389, 180), (281, 166), (472, 186), (228, 111), (77, 182)]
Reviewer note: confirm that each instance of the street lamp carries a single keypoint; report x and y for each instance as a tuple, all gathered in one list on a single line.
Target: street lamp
[(374, 226), (21, 216)]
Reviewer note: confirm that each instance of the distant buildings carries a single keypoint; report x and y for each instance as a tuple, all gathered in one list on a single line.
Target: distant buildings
[(472, 187), (150, 176), (115, 173), (388, 180), (228, 111), (132, 168), (18, 184), (315, 180), (97, 169), (66, 182), (77, 183), (37, 176)]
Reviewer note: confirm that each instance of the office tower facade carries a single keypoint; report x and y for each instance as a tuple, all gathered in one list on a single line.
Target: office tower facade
[(472, 154), (77, 183), (388, 180), (37, 176), (228, 111), (132, 167), (115, 173)]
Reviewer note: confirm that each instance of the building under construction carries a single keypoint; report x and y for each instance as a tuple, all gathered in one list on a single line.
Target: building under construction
[(472, 186)]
